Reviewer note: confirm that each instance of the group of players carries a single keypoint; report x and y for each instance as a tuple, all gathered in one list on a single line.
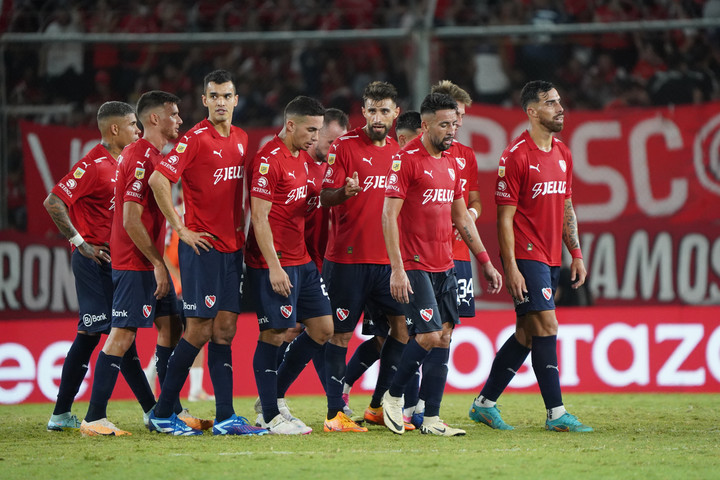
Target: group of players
[(401, 219)]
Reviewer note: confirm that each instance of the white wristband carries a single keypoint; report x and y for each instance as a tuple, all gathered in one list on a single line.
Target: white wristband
[(474, 211), (77, 240)]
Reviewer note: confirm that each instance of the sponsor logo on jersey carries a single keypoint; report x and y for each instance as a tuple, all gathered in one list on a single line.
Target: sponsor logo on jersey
[(502, 185), (438, 195), (396, 165), (563, 165), (501, 171), (263, 320), (296, 194), (264, 168), (461, 162), (331, 158), (218, 153), (173, 159), (547, 293), (147, 310), (136, 185), (209, 301), (535, 167), (228, 173), (286, 310), (139, 173), (181, 147), (426, 314), (342, 313), (71, 183), (79, 172), (119, 313), (549, 188), (374, 181), (429, 173), (392, 180), (189, 306), (368, 160), (89, 319), (452, 174), (65, 189), (262, 182)]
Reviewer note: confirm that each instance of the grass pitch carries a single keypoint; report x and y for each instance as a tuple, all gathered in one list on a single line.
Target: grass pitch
[(636, 436)]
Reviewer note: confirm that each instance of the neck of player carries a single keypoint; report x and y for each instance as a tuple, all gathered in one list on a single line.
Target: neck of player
[(542, 137)]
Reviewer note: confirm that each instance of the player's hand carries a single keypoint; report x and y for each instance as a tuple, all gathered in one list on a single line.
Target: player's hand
[(162, 279), (96, 253), (515, 283), (493, 278), (577, 273), (400, 288), (280, 282), (195, 239), (352, 185)]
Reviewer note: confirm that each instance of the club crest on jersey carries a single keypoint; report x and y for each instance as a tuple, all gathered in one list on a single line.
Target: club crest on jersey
[(501, 171), (241, 149), (563, 165), (181, 147), (426, 314), (209, 301), (547, 293), (342, 313), (331, 158), (79, 172), (461, 162), (396, 165), (286, 310), (147, 310), (264, 168), (139, 173), (452, 174)]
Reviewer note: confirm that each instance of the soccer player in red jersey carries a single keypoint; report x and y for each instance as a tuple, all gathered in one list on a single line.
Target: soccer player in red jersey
[(535, 217), (81, 206), (408, 127), (423, 201), (210, 160), (357, 272), (140, 277), (281, 275)]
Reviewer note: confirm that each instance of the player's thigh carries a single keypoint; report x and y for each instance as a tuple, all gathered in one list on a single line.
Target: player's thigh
[(94, 287)]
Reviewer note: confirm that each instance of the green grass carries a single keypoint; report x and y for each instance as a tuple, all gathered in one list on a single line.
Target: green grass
[(636, 436)]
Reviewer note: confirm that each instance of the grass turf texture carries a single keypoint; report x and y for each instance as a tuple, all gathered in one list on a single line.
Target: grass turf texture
[(636, 436)]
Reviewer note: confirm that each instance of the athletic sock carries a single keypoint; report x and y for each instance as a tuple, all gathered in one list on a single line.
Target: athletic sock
[(555, 413), (319, 364), (132, 370), (221, 374), (265, 369), (390, 355), (334, 377), (435, 371), (74, 369), (281, 352), (178, 366), (365, 355), (545, 365), (107, 369), (412, 391), (162, 355), (410, 362), (507, 362), (298, 355), (483, 402)]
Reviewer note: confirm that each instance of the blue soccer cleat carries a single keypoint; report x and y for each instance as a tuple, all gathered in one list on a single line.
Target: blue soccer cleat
[(170, 426), (64, 421), (566, 423), (237, 426), (490, 416), (417, 419)]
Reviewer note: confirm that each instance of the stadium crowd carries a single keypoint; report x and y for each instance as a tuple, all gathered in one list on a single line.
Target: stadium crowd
[(593, 71)]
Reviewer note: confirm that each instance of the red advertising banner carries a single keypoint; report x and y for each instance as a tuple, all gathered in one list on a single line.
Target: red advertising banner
[(600, 349)]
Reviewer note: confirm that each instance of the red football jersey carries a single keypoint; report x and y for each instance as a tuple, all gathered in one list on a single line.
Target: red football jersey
[(280, 178), (356, 224), (212, 168), (537, 183), (317, 218), (88, 191), (135, 165), (467, 168), (428, 186)]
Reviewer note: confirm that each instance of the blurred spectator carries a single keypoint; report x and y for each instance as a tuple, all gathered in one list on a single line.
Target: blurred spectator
[(62, 63)]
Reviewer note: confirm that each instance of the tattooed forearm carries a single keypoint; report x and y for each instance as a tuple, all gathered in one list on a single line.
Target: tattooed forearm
[(570, 228), (59, 213), (468, 235)]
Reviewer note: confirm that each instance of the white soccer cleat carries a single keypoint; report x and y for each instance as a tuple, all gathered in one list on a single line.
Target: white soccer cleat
[(282, 426), (393, 413), (435, 426)]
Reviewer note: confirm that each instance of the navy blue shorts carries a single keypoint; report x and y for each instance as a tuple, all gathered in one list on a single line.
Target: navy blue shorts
[(134, 303), (308, 298), (352, 286), (466, 293), (433, 302), (541, 281), (94, 287), (210, 281), (375, 322)]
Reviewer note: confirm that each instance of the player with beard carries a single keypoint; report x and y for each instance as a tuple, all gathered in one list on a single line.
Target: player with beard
[(357, 272), (535, 217), (81, 206), (210, 159), (423, 200)]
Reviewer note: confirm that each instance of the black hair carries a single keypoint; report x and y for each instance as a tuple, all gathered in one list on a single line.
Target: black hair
[(114, 109), (219, 77), (532, 90), (153, 99), (409, 120), (304, 106), (337, 115), (379, 91), (437, 101)]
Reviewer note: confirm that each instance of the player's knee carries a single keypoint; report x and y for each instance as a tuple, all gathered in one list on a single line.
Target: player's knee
[(341, 339)]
